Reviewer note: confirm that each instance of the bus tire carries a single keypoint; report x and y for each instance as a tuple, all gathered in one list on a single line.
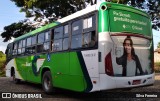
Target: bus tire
[(15, 80), (47, 82)]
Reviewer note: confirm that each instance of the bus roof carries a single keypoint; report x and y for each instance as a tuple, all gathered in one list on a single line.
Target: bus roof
[(82, 12), (48, 26), (67, 18)]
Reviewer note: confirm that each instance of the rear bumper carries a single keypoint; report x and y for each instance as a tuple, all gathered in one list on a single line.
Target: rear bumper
[(107, 82)]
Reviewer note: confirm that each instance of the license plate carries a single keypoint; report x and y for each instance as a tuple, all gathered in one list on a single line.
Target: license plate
[(136, 82)]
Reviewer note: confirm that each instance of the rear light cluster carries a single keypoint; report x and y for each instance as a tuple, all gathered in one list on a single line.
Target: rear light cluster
[(108, 65)]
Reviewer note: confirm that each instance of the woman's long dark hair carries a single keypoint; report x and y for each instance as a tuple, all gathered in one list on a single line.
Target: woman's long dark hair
[(132, 49)]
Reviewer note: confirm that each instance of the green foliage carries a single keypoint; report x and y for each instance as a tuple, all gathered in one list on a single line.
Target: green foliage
[(2, 63), (51, 9), (120, 1), (157, 67), (54, 9), (16, 29)]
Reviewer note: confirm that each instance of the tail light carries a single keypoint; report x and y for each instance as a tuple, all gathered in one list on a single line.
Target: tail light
[(108, 65)]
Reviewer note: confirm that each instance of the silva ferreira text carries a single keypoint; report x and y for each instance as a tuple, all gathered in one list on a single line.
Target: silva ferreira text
[(146, 95)]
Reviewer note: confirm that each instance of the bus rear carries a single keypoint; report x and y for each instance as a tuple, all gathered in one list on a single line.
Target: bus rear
[(125, 47)]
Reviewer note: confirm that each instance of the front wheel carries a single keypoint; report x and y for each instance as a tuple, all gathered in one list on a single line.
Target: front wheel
[(47, 82)]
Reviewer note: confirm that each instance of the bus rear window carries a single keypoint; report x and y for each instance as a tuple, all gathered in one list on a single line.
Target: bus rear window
[(137, 41)]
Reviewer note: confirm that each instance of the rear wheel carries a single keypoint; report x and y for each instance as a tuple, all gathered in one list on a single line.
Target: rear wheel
[(47, 82)]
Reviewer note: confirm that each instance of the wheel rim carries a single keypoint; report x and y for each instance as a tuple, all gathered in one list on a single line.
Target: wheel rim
[(47, 83)]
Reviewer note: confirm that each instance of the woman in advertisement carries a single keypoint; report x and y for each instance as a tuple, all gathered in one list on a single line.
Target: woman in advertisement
[(129, 60)]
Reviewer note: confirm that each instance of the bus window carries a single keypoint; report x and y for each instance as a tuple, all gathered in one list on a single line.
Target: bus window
[(19, 47), (20, 44), (41, 38), (8, 51), (14, 49), (14, 52), (34, 40), (57, 45), (65, 43), (86, 39), (40, 46), (89, 24), (47, 41), (58, 32), (15, 46), (46, 46), (24, 43), (47, 36), (28, 46), (23, 46), (66, 34), (29, 41), (66, 37), (57, 39), (89, 39), (33, 49), (29, 50), (77, 27), (76, 41), (19, 51), (23, 50)]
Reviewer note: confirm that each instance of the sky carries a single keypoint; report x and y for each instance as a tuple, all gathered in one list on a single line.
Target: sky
[(9, 13)]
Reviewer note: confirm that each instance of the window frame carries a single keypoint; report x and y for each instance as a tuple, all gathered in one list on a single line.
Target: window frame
[(40, 45)]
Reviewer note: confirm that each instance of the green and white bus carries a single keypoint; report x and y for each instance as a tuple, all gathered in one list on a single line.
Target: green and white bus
[(104, 46)]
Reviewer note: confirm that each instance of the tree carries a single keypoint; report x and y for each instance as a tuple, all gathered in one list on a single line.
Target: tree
[(54, 9), (16, 29), (1, 54), (51, 10), (152, 7)]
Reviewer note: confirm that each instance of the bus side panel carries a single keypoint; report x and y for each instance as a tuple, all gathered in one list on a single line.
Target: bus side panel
[(66, 71), (12, 64), (21, 66), (59, 65), (91, 61), (33, 70), (28, 68), (8, 67)]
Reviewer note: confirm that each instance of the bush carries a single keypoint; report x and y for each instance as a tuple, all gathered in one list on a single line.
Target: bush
[(2, 63), (157, 67)]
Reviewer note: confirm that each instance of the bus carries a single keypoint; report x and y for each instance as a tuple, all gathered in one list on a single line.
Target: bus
[(104, 46)]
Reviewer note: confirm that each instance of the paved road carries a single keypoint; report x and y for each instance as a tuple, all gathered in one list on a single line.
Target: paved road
[(6, 85)]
